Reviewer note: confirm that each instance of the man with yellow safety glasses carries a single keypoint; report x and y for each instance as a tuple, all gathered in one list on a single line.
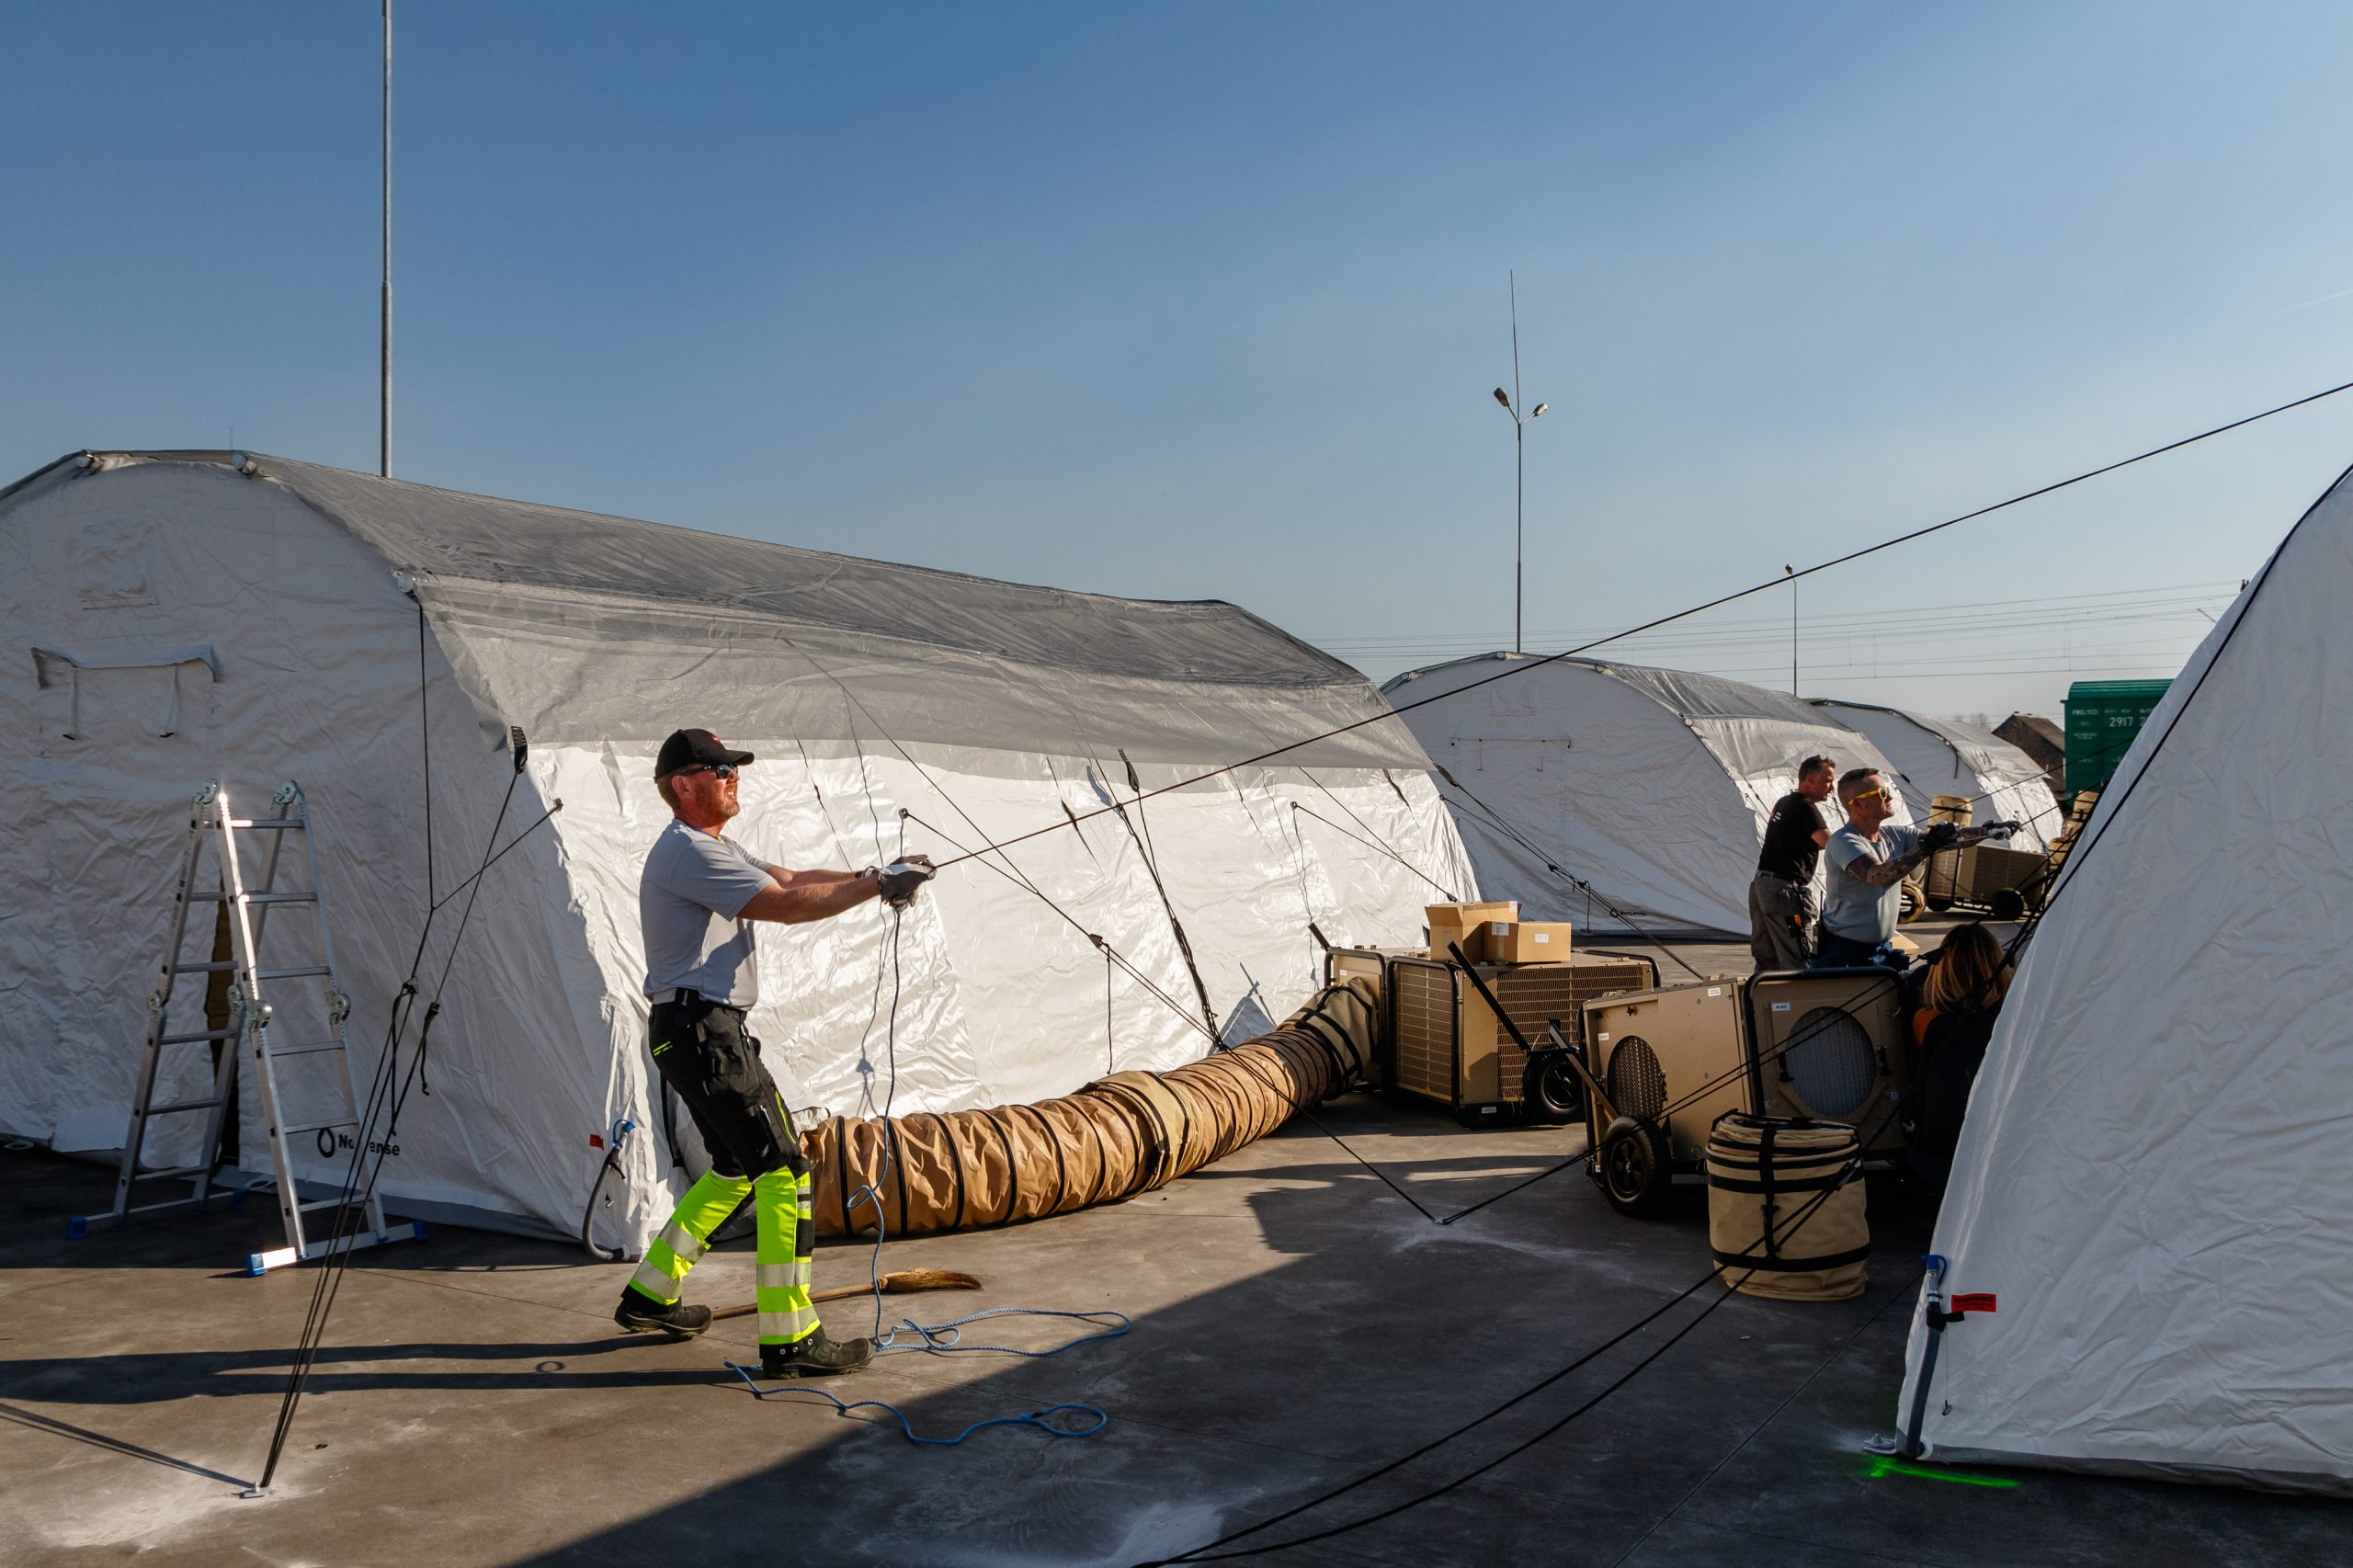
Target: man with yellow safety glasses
[(1866, 862)]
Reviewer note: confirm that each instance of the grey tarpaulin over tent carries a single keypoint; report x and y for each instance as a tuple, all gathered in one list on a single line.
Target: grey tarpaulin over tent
[(1652, 785), (313, 597)]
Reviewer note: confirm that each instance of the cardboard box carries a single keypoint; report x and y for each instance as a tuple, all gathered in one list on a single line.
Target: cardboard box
[(1466, 924), (1528, 941)]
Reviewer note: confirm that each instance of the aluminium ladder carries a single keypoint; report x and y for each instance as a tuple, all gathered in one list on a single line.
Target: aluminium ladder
[(250, 1016)]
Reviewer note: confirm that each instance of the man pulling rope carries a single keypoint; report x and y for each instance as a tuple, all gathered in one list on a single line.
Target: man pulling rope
[(699, 900)]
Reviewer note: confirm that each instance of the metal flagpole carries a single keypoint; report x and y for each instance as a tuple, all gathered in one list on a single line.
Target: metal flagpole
[(384, 322)]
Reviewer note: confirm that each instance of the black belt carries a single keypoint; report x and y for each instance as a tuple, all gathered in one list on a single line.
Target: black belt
[(683, 997)]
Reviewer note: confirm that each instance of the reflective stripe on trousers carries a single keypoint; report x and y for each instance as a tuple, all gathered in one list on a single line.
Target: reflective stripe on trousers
[(703, 1209), (788, 1244)]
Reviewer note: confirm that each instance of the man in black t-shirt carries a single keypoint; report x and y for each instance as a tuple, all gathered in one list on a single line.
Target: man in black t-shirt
[(1782, 907)]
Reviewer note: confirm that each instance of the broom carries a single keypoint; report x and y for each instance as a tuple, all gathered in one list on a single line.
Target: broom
[(900, 1282)]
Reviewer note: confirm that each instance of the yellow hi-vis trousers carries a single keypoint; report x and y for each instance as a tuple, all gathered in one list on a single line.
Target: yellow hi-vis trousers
[(785, 1260)]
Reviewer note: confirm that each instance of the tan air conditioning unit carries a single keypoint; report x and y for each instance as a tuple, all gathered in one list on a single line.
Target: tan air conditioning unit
[(1448, 1046), (1976, 875), (1371, 965), (1833, 1045), (1670, 1056)]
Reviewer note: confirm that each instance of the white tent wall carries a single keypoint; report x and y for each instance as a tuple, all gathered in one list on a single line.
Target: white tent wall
[(1651, 785), (318, 655), (2151, 1176), (1938, 756), (283, 578)]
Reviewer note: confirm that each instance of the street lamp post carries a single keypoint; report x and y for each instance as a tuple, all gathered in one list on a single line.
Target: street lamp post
[(1519, 484)]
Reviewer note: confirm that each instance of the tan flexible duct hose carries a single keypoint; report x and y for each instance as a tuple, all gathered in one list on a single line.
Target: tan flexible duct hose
[(1119, 1136)]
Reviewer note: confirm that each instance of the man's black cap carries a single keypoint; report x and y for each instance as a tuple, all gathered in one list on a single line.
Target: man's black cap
[(694, 748)]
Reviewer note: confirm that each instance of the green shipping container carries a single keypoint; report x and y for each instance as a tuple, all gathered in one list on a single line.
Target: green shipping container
[(2102, 718)]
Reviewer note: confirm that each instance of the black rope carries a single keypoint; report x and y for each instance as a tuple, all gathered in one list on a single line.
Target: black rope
[(1141, 830), (1109, 952), (1572, 879), (1449, 893), (352, 1201), (1369, 831), (1368, 1164), (1847, 1171), (2066, 872), (425, 739), (1717, 603)]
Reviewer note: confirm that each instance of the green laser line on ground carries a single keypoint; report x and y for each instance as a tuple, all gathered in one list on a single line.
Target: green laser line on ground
[(1885, 1467)]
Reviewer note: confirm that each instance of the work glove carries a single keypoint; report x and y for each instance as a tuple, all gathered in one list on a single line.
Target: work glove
[(2000, 829), (901, 877), (1941, 835)]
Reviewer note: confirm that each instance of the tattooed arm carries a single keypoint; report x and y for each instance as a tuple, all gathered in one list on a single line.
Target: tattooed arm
[(1894, 869), (1885, 873)]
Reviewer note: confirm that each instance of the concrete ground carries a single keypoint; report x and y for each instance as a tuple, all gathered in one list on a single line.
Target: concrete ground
[(1296, 1324)]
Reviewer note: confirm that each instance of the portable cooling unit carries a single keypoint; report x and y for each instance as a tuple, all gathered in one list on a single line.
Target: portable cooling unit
[(1446, 1045), (1370, 965), (1974, 874), (1650, 1049), (1831, 1044)]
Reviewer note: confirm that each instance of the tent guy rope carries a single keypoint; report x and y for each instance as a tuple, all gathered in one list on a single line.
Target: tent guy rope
[(1781, 581)]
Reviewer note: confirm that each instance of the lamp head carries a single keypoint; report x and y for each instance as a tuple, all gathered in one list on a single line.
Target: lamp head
[(1505, 398), (1538, 413)]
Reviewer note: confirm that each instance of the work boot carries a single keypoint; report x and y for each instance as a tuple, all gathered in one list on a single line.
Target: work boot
[(815, 1357), (641, 1314)]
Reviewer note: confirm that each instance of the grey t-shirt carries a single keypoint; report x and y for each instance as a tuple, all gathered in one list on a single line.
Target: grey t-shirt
[(693, 886), (1853, 908)]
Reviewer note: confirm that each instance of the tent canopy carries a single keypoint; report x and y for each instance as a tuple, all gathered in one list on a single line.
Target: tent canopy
[(187, 616), (1653, 786), (2151, 1179), (1944, 756)]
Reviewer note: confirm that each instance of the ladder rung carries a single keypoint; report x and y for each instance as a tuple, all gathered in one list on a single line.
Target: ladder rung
[(275, 1054), (320, 1126), (192, 1038), (289, 973), (203, 968), (164, 1175), (328, 1203), (253, 898), (242, 822), (183, 1105)]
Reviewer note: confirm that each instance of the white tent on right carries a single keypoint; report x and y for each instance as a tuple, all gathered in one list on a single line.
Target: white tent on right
[(2152, 1179), (1944, 756)]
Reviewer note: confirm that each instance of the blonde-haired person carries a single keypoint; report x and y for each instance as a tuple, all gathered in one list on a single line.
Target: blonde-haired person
[(1967, 981)]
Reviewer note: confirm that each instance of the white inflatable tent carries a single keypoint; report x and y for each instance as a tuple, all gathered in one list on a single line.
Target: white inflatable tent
[(186, 615), (1652, 786), (2151, 1182), (1944, 756)]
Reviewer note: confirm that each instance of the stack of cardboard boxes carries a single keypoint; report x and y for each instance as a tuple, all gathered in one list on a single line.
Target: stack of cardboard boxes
[(1493, 933)]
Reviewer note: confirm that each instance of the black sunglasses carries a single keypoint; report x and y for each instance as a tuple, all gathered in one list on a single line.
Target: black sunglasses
[(716, 769)]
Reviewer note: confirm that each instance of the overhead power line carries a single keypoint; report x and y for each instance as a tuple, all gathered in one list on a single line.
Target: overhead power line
[(1072, 820)]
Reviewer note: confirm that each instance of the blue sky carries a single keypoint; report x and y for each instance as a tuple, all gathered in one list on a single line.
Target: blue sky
[(1205, 301)]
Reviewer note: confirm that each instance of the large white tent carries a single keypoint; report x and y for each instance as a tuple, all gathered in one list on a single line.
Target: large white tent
[(1945, 757), (189, 616), (2151, 1179), (1651, 786)]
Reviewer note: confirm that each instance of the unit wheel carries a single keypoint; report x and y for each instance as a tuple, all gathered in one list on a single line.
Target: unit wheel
[(1632, 1165), (1550, 1090), (1914, 904), (2007, 905)]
